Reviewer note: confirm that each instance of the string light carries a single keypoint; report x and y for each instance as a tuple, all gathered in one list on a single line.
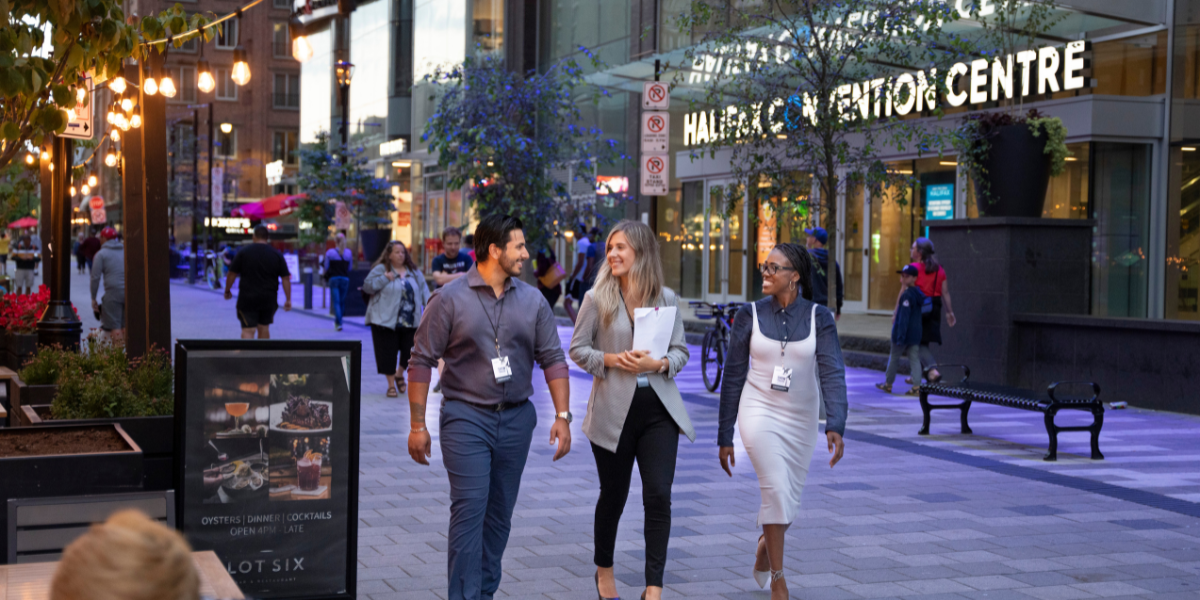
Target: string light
[(117, 85), (91, 180), (150, 86), (204, 77), (126, 104), (72, 190), (45, 155), (301, 49), (115, 135), (110, 159), (80, 94), (29, 159), (166, 86), (241, 69), (85, 189), (136, 120)]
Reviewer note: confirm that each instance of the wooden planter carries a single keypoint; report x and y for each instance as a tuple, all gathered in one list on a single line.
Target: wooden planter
[(22, 394), (19, 348), (68, 474), (154, 435)]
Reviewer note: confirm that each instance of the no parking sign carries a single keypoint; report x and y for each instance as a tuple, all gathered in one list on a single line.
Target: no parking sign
[(655, 172)]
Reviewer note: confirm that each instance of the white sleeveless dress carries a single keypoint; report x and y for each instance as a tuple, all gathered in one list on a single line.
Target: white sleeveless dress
[(779, 429)]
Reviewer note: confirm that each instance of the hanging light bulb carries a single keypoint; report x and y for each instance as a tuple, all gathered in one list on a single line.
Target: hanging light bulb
[(91, 180), (117, 85), (204, 77), (301, 49), (115, 135), (112, 112), (70, 114), (122, 122), (241, 69), (136, 120), (150, 86), (166, 86), (72, 190), (85, 189), (80, 94), (110, 159), (29, 159), (45, 155), (126, 104)]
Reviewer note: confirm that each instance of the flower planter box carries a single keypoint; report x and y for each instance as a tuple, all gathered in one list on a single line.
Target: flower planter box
[(19, 347), (115, 465), (154, 435)]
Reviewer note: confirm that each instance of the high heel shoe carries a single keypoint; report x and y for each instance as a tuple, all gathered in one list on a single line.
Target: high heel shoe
[(762, 578), (601, 596)]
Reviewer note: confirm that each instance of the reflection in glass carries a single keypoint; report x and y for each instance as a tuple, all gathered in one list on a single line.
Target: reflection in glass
[(1121, 207), (487, 35), (692, 242), (670, 239), (852, 236), (892, 234), (1183, 246)]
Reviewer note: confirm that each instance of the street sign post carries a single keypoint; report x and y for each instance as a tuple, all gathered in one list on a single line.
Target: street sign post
[(80, 128), (655, 170), (656, 95), (656, 128)]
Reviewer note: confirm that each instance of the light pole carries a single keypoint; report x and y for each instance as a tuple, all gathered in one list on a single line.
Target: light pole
[(345, 71)]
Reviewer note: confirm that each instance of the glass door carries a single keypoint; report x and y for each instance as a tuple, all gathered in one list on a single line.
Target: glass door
[(853, 239), (725, 245)]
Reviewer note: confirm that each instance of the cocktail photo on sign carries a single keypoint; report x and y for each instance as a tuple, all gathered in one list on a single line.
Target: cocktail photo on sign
[(267, 462)]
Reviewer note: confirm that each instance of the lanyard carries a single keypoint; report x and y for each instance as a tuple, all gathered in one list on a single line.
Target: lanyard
[(495, 324), (786, 335)]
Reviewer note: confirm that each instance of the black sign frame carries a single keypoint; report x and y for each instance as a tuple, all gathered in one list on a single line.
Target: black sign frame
[(352, 432)]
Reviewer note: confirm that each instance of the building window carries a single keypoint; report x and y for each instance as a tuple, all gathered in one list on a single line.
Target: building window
[(1134, 66), (186, 85), (281, 41), (225, 145), (287, 90), (189, 46), (1120, 199), (227, 35), (282, 4), (226, 88), (285, 147)]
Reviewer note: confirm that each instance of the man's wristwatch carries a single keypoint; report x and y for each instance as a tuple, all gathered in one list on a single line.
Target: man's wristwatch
[(566, 416)]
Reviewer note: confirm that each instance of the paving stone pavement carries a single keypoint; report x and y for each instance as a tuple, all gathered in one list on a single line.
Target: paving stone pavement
[(902, 516)]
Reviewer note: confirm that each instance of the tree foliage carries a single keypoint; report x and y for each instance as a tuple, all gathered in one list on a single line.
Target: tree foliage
[(47, 46), (328, 178), (508, 137)]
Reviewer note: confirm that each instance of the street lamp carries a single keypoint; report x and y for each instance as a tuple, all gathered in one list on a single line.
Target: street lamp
[(345, 71), (226, 128)]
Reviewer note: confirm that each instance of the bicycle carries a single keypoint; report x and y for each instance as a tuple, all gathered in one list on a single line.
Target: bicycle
[(716, 339)]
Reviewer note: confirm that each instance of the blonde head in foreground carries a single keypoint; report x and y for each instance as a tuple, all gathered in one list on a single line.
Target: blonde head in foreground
[(128, 557)]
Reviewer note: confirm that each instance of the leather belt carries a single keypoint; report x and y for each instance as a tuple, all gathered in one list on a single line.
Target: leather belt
[(498, 407)]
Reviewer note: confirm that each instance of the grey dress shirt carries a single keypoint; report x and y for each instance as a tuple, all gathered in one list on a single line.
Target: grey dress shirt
[(613, 389), (771, 316), (456, 328)]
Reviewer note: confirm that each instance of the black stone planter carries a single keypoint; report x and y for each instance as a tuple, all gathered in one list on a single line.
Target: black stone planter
[(154, 435), (19, 347), (1017, 173), (67, 474)]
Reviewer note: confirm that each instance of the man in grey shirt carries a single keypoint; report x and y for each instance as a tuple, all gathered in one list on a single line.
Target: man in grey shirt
[(490, 328), (109, 264)]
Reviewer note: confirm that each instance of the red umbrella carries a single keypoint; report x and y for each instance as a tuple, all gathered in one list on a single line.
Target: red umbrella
[(23, 223)]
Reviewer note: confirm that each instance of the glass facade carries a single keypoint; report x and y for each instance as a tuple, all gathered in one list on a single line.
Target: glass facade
[(369, 31)]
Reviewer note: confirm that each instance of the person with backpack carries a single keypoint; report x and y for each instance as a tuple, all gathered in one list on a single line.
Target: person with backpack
[(906, 332), (931, 280), (337, 272), (817, 238)]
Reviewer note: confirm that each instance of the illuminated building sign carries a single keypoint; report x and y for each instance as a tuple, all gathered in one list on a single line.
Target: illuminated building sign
[(230, 224), (396, 146), (1027, 73)]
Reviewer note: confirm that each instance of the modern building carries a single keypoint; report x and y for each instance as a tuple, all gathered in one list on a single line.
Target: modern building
[(262, 116)]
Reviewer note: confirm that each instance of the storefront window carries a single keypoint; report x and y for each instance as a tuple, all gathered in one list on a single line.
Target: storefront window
[(488, 31), (1134, 66), (1121, 208), (670, 239), (691, 224), (852, 236), (893, 229), (1067, 194), (1183, 235)]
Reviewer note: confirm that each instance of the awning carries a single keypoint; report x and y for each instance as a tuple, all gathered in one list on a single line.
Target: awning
[(274, 206), (23, 223)]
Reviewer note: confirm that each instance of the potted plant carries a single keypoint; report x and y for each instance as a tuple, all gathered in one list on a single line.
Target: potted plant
[(1010, 159), (101, 385), (66, 460), (19, 314)]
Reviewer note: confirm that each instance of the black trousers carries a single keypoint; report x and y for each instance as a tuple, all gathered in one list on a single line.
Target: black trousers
[(651, 436), (390, 342)]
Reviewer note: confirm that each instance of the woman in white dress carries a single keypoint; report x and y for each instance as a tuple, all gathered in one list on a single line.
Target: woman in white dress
[(784, 362)]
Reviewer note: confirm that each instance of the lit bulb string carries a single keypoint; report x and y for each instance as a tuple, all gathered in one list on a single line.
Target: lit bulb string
[(236, 13)]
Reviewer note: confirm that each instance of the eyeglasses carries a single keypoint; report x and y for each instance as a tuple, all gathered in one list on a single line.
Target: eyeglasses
[(769, 269)]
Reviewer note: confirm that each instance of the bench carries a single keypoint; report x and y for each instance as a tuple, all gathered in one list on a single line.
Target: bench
[(1049, 404)]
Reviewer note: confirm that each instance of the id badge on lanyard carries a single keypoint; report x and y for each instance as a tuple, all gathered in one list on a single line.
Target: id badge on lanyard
[(501, 369), (781, 379)]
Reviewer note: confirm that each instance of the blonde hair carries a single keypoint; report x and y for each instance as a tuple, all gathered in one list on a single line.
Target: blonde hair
[(645, 276), (128, 557)]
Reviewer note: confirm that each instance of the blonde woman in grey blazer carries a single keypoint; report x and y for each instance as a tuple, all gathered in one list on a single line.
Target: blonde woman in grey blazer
[(398, 298), (628, 419)]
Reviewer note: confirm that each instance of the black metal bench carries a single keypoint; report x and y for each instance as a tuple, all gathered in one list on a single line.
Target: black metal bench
[(1000, 395)]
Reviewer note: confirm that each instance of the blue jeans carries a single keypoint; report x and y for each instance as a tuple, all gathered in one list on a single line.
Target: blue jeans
[(484, 453), (338, 287)]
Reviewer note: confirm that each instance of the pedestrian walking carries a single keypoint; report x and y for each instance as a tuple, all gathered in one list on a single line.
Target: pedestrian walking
[(398, 298), (490, 327), (816, 240), (549, 275), (906, 332), (26, 257), (784, 361), (109, 266), (931, 280), (451, 263), (90, 246), (635, 410), (575, 287), (337, 274), (4, 247), (261, 268), (77, 250)]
